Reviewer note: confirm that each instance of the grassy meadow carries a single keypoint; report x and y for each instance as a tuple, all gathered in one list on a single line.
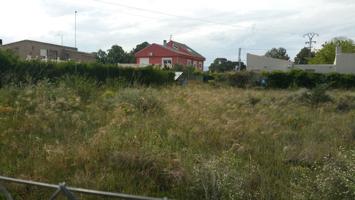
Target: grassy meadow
[(198, 141)]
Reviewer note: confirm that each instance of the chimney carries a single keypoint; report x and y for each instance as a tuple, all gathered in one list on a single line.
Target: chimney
[(0, 42), (164, 42)]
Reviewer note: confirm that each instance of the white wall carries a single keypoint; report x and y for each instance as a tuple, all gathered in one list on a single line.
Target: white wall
[(345, 63), (326, 68), (263, 63)]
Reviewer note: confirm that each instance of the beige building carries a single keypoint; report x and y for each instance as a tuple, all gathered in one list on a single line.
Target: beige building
[(29, 49), (344, 63), (263, 63)]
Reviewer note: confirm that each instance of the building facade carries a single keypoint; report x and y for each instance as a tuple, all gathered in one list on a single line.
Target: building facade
[(29, 49), (344, 63), (169, 54)]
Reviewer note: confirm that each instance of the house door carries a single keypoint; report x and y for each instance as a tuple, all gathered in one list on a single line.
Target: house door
[(144, 61)]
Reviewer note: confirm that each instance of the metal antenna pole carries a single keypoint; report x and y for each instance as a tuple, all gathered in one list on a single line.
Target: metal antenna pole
[(239, 59), (75, 28), (310, 41)]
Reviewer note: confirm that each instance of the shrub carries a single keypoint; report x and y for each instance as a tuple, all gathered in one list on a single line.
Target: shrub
[(85, 88), (242, 79), (317, 95), (37, 70), (144, 101), (253, 100), (305, 79), (278, 79), (336, 177), (207, 77), (236, 79)]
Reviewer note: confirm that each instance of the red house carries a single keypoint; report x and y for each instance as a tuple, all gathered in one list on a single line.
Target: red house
[(170, 54)]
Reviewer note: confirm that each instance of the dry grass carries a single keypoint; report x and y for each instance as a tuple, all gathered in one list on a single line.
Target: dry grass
[(194, 142)]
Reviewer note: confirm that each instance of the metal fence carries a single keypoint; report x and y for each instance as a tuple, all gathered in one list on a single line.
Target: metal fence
[(68, 192)]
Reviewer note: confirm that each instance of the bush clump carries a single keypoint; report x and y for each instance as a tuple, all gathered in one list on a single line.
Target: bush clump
[(236, 79), (21, 71), (303, 79), (144, 101), (316, 95)]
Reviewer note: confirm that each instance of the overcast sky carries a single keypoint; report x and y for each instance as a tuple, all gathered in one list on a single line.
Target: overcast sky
[(213, 28)]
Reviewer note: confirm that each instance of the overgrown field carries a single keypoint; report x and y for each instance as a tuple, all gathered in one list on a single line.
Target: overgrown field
[(193, 142)]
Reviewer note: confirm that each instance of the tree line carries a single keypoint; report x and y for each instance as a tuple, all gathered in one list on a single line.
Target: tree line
[(116, 54), (325, 55)]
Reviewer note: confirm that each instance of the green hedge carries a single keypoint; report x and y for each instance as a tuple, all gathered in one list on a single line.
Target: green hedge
[(282, 80), (238, 79), (12, 69), (299, 78)]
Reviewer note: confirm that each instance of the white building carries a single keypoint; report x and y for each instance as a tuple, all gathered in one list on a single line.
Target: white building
[(344, 63)]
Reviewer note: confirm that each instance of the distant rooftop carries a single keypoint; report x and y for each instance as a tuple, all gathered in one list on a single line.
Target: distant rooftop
[(38, 42)]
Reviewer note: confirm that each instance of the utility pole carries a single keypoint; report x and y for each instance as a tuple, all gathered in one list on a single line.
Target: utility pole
[(310, 36), (75, 28), (239, 59)]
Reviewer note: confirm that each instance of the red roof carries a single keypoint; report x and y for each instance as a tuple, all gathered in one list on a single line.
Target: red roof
[(174, 49), (184, 49)]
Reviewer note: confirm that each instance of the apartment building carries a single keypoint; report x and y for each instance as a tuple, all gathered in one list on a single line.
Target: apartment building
[(29, 49)]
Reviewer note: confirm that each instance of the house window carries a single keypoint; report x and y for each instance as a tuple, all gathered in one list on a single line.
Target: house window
[(189, 62), (53, 55), (195, 64), (167, 63), (200, 65), (43, 53), (144, 61)]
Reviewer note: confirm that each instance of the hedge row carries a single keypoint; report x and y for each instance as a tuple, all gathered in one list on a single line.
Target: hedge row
[(283, 80), (37, 70), (236, 79), (298, 78)]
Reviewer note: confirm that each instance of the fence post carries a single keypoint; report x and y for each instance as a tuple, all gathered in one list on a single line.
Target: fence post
[(4, 191), (66, 192)]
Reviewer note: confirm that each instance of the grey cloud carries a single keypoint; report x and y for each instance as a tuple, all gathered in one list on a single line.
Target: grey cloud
[(270, 28)]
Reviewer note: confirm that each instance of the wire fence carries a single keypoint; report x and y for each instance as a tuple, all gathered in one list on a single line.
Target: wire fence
[(68, 192)]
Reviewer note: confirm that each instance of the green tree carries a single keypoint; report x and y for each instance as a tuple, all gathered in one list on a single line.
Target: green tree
[(140, 47), (7, 58), (304, 56), (131, 55), (326, 55), (224, 65), (117, 55), (101, 56), (279, 53)]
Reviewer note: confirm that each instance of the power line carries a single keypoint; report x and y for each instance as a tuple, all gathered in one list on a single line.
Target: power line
[(251, 49), (172, 15)]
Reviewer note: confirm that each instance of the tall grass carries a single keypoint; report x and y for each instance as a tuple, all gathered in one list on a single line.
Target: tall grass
[(194, 142)]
